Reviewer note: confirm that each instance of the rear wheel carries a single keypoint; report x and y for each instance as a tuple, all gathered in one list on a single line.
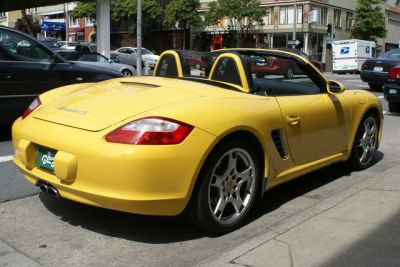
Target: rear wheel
[(394, 107), (126, 72), (375, 86), (227, 188), (366, 143)]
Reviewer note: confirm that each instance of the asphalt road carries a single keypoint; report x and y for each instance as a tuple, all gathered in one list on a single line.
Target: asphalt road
[(56, 232)]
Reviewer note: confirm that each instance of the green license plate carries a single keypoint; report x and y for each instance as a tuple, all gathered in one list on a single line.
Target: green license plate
[(45, 158), (392, 91)]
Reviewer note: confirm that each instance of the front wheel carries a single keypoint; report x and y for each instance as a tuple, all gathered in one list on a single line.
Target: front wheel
[(365, 143), (126, 72), (227, 188)]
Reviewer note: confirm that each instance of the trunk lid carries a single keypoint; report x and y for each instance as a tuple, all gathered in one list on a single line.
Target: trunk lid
[(105, 104)]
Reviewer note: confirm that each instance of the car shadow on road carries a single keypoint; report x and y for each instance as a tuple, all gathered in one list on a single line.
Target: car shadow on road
[(160, 230), (5, 133)]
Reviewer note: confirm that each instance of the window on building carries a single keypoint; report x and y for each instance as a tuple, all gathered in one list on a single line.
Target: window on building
[(89, 21), (73, 22), (349, 20), (337, 18), (268, 17), (322, 14), (286, 14)]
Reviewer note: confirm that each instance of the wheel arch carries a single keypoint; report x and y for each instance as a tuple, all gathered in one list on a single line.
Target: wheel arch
[(256, 144)]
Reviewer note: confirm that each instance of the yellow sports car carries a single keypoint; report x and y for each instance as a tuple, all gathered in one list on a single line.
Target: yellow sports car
[(204, 139)]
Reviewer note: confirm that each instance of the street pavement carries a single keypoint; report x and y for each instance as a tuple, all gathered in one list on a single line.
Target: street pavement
[(331, 217)]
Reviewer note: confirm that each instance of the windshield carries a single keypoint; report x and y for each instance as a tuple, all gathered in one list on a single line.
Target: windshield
[(392, 54), (146, 52)]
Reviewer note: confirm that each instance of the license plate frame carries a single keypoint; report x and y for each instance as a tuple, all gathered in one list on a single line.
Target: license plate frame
[(392, 91), (45, 158)]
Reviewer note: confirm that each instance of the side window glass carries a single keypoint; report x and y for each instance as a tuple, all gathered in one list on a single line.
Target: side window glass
[(278, 76), (15, 47), (167, 67), (226, 71), (92, 58), (196, 64)]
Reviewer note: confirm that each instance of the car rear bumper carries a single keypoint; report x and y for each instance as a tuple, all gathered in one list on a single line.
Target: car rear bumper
[(373, 76), (392, 93), (151, 180)]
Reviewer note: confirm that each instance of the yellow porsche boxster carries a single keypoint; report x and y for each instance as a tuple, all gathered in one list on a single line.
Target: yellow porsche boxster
[(206, 136)]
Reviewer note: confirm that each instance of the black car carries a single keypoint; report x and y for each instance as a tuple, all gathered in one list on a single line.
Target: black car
[(392, 89), (28, 68), (375, 71)]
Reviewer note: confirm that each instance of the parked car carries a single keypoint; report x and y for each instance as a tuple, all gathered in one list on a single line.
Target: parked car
[(29, 68), (67, 45), (86, 48), (375, 71), (205, 147), (96, 59), (127, 55), (315, 62), (392, 89)]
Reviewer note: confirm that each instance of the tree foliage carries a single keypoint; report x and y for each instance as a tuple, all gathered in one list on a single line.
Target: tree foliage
[(369, 21), (28, 24), (184, 12), (120, 10), (242, 14)]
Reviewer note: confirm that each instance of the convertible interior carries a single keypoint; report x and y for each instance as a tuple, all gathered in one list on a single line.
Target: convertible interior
[(244, 67)]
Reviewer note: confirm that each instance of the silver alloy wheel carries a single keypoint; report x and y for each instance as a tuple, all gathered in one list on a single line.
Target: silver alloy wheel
[(232, 186), (367, 143)]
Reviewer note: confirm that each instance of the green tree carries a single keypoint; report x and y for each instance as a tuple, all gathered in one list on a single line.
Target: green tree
[(185, 12), (84, 9), (369, 21), (121, 10), (241, 14)]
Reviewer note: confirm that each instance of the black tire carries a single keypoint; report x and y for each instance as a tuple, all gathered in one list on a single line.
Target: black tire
[(289, 73), (394, 107), (365, 143), (224, 193), (375, 86), (126, 72)]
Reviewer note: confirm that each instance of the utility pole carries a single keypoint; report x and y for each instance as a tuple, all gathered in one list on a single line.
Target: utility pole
[(139, 39), (294, 23)]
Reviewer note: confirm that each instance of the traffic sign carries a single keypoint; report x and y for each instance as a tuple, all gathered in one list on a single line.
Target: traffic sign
[(293, 42)]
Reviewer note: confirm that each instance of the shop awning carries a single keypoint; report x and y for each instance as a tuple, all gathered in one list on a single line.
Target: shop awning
[(53, 26)]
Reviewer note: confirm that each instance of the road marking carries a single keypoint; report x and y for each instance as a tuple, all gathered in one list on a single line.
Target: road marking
[(6, 158)]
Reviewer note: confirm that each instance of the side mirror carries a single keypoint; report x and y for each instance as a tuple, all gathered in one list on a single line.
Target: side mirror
[(335, 87)]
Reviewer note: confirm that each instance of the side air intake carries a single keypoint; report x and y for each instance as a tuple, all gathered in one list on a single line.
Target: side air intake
[(277, 138)]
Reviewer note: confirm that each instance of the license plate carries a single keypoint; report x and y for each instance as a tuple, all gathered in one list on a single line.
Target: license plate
[(378, 68), (45, 158), (392, 91)]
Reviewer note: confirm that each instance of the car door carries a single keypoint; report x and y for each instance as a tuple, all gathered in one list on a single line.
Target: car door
[(317, 123)]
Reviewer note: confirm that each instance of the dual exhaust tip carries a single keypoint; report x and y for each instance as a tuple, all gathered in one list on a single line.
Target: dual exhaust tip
[(48, 189)]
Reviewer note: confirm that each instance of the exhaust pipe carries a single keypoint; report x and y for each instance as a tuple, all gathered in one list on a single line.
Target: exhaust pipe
[(48, 189)]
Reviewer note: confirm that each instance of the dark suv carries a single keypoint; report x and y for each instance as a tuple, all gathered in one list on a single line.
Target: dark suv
[(28, 68)]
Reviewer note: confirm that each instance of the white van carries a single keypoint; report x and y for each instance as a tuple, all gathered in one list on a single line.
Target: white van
[(348, 55)]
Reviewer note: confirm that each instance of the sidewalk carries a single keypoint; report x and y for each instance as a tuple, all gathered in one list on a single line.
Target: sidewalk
[(357, 227)]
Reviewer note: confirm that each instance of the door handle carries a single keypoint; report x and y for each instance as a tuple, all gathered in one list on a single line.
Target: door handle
[(293, 119), (5, 75)]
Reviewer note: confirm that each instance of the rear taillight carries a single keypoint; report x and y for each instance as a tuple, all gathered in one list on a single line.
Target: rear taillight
[(363, 65), (34, 105), (151, 131), (394, 73)]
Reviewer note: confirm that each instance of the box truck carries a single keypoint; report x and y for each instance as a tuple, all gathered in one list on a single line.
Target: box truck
[(348, 55)]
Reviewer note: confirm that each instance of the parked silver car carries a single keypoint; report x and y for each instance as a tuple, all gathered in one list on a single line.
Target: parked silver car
[(99, 60), (127, 55)]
